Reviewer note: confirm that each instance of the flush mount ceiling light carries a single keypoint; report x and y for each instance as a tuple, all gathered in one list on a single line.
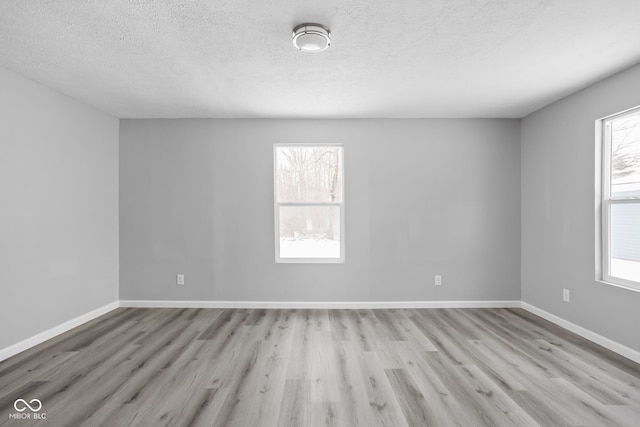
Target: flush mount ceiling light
[(311, 37)]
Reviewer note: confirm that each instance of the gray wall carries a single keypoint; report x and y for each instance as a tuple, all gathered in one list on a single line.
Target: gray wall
[(423, 197), (559, 211), (58, 209)]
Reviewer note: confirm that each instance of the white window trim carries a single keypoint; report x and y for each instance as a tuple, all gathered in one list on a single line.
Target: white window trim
[(277, 205), (605, 201)]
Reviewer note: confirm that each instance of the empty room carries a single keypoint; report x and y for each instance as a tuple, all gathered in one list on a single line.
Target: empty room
[(337, 213)]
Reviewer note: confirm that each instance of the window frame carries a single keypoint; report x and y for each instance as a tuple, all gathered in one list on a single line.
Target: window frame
[(606, 200), (277, 205)]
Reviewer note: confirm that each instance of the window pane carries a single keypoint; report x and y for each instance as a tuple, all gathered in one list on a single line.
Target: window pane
[(309, 174), (309, 232), (625, 241), (625, 156)]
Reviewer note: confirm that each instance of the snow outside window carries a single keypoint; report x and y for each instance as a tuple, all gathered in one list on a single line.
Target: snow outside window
[(309, 203)]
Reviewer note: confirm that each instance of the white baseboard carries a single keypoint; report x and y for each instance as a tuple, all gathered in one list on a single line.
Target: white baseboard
[(319, 305), (55, 331), (64, 327), (614, 346)]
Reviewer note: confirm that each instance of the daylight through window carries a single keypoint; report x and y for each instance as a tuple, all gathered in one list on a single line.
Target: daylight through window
[(621, 199), (309, 203)]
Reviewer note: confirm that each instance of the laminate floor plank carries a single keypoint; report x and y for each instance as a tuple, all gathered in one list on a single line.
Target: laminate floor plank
[(325, 414), (368, 334), (551, 414), (61, 343), (415, 337), (319, 320), (389, 326), (590, 351), (242, 381), (290, 367), (302, 328), (461, 327), (441, 336), (502, 321), (441, 402), (323, 370), (547, 401), (414, 406), (392, 355), (96, 393), (360, 334), (353, 408), (588, 410), (34, 369), (385, 408), (503, 373), (339, 323), (525, 362), (473, 409), (502, 345), (605, 389), (569, 343), (272, 363), (269, 325), (176, 401), (294, 409), (494, 400)]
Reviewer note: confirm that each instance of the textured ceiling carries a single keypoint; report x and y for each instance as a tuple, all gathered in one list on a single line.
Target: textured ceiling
[(234, 58)]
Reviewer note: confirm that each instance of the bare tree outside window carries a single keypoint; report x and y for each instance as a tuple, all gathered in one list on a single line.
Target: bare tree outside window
[(309, 201), (625, 155)]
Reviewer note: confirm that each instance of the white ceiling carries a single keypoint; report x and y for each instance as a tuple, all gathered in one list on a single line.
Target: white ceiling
[(234, 58)]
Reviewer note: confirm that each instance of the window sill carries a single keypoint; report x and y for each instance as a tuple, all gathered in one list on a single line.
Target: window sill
[(619, 285), (310, 261)]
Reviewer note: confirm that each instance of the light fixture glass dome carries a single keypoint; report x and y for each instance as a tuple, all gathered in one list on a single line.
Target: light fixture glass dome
[(311, 37)]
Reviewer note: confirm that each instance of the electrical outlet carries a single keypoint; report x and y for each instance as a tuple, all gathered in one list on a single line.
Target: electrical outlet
[(438, 281), (565, 295), (180, 279)]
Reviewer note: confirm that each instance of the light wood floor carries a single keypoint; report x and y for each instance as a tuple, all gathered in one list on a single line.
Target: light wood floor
[(236, 367)]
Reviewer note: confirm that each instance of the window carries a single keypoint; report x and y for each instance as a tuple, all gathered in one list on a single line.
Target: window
[(309, 203), (621, 199)]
